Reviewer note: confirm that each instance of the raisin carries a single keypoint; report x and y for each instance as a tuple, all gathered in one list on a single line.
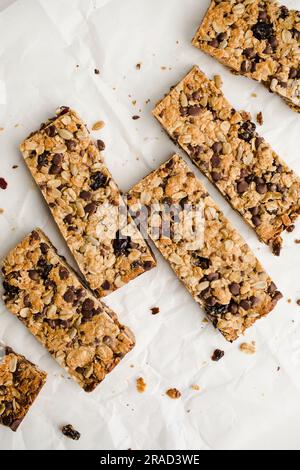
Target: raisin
[(44, 268), (217, 355), (70, 432), (121, 244), (10, 291), (98, 180), (262, 30), (43, 159)]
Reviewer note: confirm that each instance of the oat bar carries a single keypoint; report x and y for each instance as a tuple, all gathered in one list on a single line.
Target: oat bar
[(224, 144), (86, 203), (219, 269), (80, 332), (256, 38), (20, 383)]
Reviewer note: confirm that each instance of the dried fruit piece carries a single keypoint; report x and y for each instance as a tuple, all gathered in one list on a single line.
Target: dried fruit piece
[(173, 393), (141, 385), (217, 355), (70, 432)]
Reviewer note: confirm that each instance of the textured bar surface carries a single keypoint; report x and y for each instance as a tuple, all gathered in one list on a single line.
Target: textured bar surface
[(86, 203), (80, 332), (222, 274), (256, 38), (20, 383), (224, 144)]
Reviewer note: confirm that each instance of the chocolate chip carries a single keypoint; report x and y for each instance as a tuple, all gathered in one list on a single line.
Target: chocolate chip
[(57, 159), (214, 43), (217, 147), (55, 169), (100, 145), (215, 161), (278, 296), (44, 248), (245, 304), (258, 142), (34, 275), (43, 159), (217, 355), (88, 305), (215, 176), (69, 296), (68, 219), (121, 244), (10, 291), (261, 188), (213, 277), (98, 180), (85, 195), (273, 42), (106, 285), (242, 187), (284, 12), (147, 265), (135, 118), (249, 52), (263, 30), (155, 310), (71, 145), (44, 268), (246, 66), (194, 110), (234, 288), (293, 73), (200, 262), (276, 247), (272, 288), (247, 131), (254, 300), (262, 15), (256, 220), (233, 308), (196, 96), (268, 49), (90, 208), (221, 37), (3, 183), (50, 131), (63, 273), (254, 210), (107, 340)]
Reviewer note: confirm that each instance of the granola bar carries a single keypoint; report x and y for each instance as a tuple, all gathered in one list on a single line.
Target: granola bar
[(218, 268), (224, 144), (80, 332), (20, 383), (256, 38), (86, 203)]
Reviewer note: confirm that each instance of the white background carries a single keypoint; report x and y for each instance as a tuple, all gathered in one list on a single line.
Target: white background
[(244, 402)]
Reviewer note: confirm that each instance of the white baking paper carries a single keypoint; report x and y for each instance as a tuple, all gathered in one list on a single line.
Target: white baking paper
[(48, 52)]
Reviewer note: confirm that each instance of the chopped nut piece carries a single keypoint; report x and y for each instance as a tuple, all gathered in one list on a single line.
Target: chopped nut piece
[(195, 387), (70, 432), (141, 385), (217, 355), (173, 393), (98, 125), (248, 348), (260, 118), (155, 310)]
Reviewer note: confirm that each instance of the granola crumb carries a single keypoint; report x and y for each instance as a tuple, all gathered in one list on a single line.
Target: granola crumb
[(138, 66), (253, 95), (97, 72), (98, 125), (173, 393), (278, 368), (217, 355), (133, 102), (248, 348), (14, 167), (195, 387), (298, 302), (3, 183), (135, 117), (218, 81), (155, 310), (141, 385), (1, 211), (163, 67), (70, 432), (297, 242), (260, 118), (1, 129)]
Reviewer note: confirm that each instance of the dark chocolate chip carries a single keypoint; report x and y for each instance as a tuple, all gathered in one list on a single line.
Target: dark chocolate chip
[(88, 305), (194, 110), (68, 219), (34, 275), (200, 262), (106, 285), (213, 277), (98, 180), (256, 220), (85, 195), (44, 248), (57, 159), (107, 340), (121, 244), (217, 147), (70, 432), (242, 186), (234, 288), (245, 304), (50, 131), (249, 53), (261, 188), (63, 273), (90, 208), (217, 355), (214, 43), (215, 176), (69, 296), (55, 169), (100, 145), (71, 145), (43, 159)]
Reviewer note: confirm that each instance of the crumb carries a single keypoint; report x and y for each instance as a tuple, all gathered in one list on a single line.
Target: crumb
[(135, 117), (248, 348), (1, 129), (70, 432), (278, 368), (253, 95), (173, 393), (1, 211), (77, 66), (148, 101), (16, 125), (15, 166), (138, 66), (97, 72), (289, 301), (177, 42), (217, 355), (3, 183), (141, 385), (195, 387), (163, 67), (100, 145), (298, 302), (155, 310), (132, 366), (297, 242), (205, 320), (133, 102), (218, 81), (260, 118), (98, 125), (188, 411)]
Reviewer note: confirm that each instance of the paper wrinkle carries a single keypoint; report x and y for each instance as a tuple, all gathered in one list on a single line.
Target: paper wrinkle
[(243, 401)]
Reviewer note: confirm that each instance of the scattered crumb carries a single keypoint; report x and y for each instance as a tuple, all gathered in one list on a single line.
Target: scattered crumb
[(260, 118), (248, 348), (155, 310), (253, 95), (77, 66), (290, 228), (297, 242), (1, 211), (138, 66), (218, 81), (205, 320), (97, 72), (133, 102), (98, 125), (132, 366), (278, 368), (177, 42), (15, 166), (163, 67), (173, 393), (141, 385), (217, 355), (70, 432), (3, 183), (1, 129), (289, 301), (298, 302), (148, 101), (135, 117), (195, 387), (100, 145), (16, 125)]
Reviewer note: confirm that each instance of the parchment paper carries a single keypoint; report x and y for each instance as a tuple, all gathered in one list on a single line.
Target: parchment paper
[(48, 53)]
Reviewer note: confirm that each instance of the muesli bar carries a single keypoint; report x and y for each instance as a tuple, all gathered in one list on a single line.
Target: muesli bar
[(79, 331), (218, 268), (256, 38), (224, 144), (20, 383), (86, 203)]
